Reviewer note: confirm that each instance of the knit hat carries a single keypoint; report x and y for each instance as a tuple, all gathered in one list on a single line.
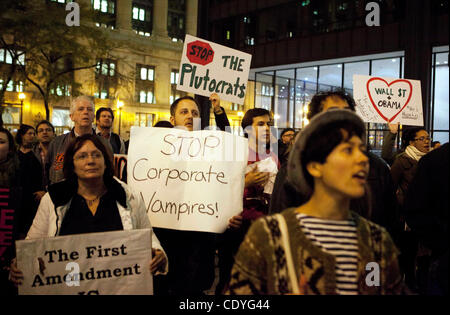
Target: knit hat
[(295, 174)]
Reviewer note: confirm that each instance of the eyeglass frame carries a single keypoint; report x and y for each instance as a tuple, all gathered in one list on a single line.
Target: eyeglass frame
[(422, 139), (96, 155)]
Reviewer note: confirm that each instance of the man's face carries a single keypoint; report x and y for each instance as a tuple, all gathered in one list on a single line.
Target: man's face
[(334, 102), (83, 115), (260, 130), (287, 137), (185, 113), (45, 133), (105, 120)]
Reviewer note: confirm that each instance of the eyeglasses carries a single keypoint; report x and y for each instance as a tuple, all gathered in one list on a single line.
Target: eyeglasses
[(422, 139), (84, 156), (42, 130)]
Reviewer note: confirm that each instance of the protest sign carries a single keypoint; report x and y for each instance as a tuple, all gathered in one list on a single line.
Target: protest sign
[(207, 68), (6, 225), (388, 100), (120, 166), (95, 263), (188, 180)]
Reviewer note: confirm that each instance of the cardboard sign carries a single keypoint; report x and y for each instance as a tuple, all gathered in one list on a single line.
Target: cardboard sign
[(388, 100), (97, 263), (207, 68), (188, 180)]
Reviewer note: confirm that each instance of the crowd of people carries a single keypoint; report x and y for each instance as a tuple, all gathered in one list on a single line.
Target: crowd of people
[(333, 208)]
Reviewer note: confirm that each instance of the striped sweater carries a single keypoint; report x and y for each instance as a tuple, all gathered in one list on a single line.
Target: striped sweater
[(260, 264)]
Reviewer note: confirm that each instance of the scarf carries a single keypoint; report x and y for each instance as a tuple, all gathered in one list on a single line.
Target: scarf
[(414, 153)]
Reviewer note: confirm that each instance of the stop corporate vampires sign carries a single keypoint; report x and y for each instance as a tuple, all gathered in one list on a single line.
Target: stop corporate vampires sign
[(87, 264), (208, 68), (388, 100), (189, 180)]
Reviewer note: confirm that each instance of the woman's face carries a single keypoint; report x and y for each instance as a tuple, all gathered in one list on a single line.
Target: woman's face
[(28, 137), (421, 141), (4, 146), (346, 169), (89, 162)]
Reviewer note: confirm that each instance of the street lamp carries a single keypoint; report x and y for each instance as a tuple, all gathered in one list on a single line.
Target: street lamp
[(119, 107)]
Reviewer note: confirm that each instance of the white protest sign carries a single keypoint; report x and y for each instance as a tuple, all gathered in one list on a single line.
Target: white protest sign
[(96, 263), (189, 180), (207, 68), (388, 100)]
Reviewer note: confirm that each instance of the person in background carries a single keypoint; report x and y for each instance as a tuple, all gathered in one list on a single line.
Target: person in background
[(416, 142), (11, 179), (286, 138), (435, 145), (321, 247), (82, 113), (45, 133), (32, 187), (90, 200), (256, 124), (426, 211), (104, 118)]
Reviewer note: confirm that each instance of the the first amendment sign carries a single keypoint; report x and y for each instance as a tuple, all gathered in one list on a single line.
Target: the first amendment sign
[(87, 264)]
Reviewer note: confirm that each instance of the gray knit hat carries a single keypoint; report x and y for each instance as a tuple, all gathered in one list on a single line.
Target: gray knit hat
[(295, 174)]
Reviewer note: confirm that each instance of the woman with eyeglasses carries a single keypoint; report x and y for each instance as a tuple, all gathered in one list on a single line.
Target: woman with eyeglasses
[(90, 200), (416, 143)]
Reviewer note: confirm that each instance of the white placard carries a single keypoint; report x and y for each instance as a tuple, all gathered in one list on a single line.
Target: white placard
[(189, 180), (207, 68), (388, 100), (89, 264)]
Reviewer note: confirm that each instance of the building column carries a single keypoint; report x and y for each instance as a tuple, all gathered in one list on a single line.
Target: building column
[(160, 9), (123, 13), (191, 17)]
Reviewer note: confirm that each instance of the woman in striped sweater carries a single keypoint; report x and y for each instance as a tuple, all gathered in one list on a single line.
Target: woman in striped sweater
[(322, 247)]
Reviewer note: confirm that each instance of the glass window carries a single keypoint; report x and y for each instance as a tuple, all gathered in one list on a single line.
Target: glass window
[(441, 95), (388, 68), (135, 13), (60, 117), (143, 73), (353, 68), (2, 55), (143, 97), (281, 102), (330, 77), (307, 74), (442, 137)]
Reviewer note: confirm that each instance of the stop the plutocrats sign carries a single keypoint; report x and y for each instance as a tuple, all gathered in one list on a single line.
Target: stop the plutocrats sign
[(87, 264), (388, 100), (207, 68)]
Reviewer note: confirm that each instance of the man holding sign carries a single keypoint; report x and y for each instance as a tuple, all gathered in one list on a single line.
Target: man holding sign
[(186, 182)]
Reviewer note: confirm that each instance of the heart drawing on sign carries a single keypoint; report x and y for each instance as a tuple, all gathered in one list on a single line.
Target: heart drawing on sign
[(387, 103)]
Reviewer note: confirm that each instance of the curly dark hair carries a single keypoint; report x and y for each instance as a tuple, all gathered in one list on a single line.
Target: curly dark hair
[(316, 104), (23, 129)]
